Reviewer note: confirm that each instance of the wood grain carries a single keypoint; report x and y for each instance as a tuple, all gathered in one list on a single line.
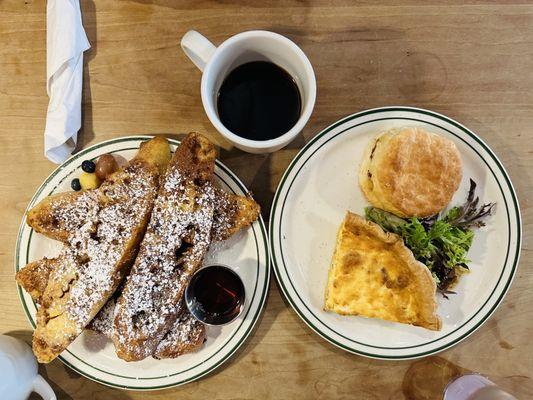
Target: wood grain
[(471, 62)]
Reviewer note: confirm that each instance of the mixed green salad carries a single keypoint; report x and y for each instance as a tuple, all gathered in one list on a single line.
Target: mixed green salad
[(442, 241)]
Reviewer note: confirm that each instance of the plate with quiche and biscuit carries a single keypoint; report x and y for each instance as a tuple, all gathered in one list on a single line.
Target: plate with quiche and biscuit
[(395, 233), (107, 252)]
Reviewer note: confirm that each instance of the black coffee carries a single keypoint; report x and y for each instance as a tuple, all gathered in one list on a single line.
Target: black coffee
[(259, 101)]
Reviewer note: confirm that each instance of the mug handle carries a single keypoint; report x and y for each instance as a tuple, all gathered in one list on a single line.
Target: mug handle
[(43, 389), (198, 48)]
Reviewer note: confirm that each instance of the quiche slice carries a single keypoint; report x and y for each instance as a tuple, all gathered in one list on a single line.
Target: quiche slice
[(373, 274)]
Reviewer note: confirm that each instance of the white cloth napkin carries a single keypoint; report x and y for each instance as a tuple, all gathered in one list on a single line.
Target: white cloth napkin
[(65, 43)]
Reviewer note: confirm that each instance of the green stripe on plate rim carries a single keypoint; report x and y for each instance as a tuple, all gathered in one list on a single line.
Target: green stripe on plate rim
[(329, 129), (292, 182), (245, 334)]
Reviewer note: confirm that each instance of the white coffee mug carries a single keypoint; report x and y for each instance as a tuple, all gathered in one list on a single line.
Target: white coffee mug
[(18, 372), (217, 62)]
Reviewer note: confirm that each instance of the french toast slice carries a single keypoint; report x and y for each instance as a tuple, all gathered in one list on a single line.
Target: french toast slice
[(176, 240), (232, 213), (33, 278), (101, 229), (186, 335), (60, 215)]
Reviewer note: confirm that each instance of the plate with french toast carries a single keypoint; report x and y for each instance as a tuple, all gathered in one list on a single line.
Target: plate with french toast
[(108, 246), (395, 233)]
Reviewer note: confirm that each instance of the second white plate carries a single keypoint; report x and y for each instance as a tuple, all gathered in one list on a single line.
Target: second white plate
[(311, 201)]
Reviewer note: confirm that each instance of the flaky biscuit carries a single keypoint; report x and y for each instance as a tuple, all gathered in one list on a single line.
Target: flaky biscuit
[(410, 172)]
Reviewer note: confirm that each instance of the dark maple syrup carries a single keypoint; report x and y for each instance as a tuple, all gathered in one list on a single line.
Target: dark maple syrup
[(215, 295), (259, 101)]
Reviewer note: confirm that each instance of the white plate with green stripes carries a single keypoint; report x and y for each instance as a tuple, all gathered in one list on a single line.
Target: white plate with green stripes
[(92, 355), (321, 184)]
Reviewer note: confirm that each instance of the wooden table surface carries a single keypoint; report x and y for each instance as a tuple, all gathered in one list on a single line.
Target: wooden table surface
[(471, 62)]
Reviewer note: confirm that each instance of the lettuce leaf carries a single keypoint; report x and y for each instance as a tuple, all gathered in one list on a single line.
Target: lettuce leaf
[(441, 244)]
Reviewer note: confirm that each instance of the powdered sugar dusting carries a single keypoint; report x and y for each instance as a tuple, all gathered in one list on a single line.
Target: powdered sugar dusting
[(186, 333), (174, 245), (223, 217), (186, 330), (102, 222), (103, 322)]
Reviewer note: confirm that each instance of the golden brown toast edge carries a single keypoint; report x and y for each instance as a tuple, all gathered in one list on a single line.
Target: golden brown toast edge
[(232, 213), (33, 278), (43, 217)]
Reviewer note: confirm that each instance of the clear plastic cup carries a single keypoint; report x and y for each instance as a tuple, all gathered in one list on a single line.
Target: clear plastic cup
[(474, 387)]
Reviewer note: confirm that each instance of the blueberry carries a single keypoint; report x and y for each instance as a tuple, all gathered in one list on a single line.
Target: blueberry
[(88, 166), (75, 184)]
